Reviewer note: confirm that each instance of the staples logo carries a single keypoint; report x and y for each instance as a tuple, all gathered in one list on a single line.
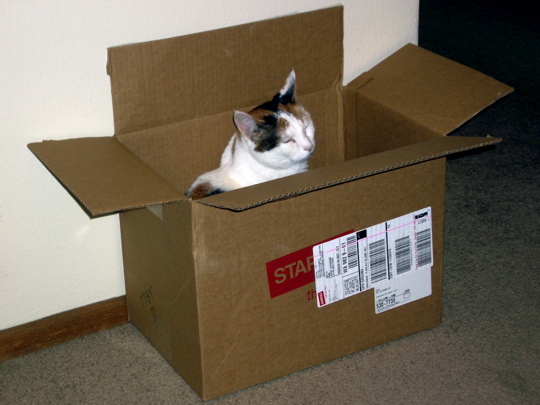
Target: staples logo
[(322, 301), (292, 271)]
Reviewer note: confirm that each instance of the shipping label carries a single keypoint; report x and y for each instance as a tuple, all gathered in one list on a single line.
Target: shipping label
[(394, 258)]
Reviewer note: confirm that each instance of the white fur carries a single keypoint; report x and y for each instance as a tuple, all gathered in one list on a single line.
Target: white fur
[(242, 166), (247, 167)]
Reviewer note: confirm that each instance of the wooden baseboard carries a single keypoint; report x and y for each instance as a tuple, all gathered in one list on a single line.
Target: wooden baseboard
[(62, 327)]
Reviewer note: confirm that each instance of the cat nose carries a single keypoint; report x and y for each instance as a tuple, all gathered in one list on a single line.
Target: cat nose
[(308, 147)]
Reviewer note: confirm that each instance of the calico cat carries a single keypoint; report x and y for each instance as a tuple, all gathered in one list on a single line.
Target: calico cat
[(273, 140)]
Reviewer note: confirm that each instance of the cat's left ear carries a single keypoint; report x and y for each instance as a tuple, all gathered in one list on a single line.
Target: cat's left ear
[(245, 124), (287, 94)]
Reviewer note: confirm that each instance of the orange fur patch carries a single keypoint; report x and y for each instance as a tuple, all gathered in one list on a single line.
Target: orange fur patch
[(201, 191), (296, 110), (260, 113), (282, 125)]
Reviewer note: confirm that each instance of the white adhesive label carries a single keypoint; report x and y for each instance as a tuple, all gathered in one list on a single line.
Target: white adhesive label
[(394, 258)]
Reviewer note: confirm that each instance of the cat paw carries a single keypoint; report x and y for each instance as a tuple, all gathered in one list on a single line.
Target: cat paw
[(202, 190)]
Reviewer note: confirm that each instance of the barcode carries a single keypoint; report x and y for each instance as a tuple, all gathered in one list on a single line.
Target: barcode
[(377, 260), (351, 286), (403, 255), (423, 245), (352, 252)]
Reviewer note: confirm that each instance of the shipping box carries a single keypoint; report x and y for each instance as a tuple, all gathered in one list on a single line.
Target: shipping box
[(224, 287)]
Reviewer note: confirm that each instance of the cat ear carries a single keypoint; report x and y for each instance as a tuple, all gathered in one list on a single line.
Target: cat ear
[(245, 124), (287, 94)]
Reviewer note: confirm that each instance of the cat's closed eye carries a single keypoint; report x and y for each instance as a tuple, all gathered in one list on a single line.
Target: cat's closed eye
[(288, 140)]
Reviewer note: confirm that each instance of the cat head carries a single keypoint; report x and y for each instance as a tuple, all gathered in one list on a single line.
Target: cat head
[(280, 132)]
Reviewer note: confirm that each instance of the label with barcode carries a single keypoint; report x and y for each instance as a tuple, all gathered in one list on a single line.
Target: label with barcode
[(393, 257)]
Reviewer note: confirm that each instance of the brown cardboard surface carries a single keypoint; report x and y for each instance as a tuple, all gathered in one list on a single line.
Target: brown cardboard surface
[(248, 338), (102, 175), (440, 93), (201, 295), (413, 92), (161, 82), (183, 150), (343, 172), (161, 286)]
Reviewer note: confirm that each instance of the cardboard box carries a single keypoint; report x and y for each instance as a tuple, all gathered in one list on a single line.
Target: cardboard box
[(223, 287)]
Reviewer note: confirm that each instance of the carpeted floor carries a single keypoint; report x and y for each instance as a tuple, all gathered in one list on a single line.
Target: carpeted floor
[(487, 350)]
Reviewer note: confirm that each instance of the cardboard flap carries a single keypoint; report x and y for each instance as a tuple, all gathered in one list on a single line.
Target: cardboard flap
[(161, 82), (249, 197), (432, 90), (103, 175)]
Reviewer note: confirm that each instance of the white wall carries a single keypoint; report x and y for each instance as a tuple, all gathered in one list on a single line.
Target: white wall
[(54, 86)]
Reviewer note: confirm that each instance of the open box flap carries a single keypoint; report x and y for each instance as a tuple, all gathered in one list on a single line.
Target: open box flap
[(437, 92), (103, 175), (250, 197), (171, 80)]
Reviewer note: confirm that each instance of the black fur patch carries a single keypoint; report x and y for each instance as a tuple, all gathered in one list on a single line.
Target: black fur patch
[(272, 105), (216, 191), (270, 121), (287, 98), (267, 137)]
